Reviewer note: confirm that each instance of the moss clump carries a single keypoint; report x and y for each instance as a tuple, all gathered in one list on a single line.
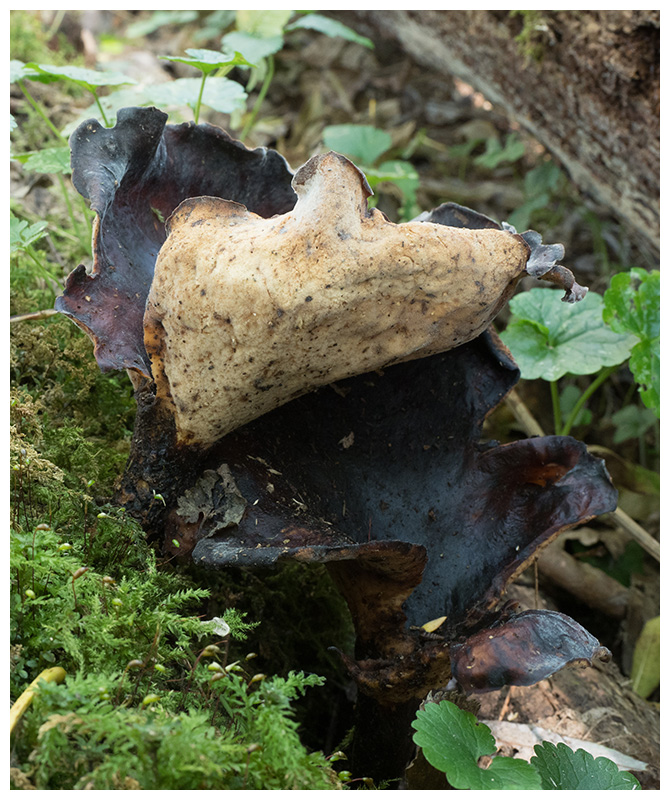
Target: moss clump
[(532, 38)]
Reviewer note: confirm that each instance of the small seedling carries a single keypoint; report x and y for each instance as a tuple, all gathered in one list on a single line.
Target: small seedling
[(208, 62)]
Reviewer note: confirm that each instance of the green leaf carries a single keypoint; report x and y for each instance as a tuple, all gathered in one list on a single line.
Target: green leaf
[(329, 27), (549, 338), (453, 741), (210, 60), (18, 71), (253, 48), (545, 177), (88, 78), (497, 154), (567, 401), (221, 94), (157, 20), (631, 422), (632, 305), (50, 160), (403, 175), (263, 24), (363, 144), (645, 364), (520, 218), (21, 234), (562, 768), (646, 672)]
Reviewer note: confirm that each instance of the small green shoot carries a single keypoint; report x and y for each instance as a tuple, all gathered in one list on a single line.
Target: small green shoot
[(632, 422), (540, 185), (22, 238), (259, 35), (363, 144), (88, 79), (209, 61), (496, 153), (22, 235)]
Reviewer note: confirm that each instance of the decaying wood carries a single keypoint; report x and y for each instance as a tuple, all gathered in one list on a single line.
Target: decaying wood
[(591, 585), (589, 91), (596, 705)]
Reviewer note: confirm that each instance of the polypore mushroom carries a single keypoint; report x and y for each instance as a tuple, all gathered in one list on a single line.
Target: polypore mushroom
[(377, 334), (246, 313)]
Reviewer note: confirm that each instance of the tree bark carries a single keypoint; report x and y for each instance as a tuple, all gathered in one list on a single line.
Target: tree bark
[(584, 83)]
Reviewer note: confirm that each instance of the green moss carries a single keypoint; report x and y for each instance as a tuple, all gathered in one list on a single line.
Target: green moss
[(88, 593), (28, 40), (531, 40)]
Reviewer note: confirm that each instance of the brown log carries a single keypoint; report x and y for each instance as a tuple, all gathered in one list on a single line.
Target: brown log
[(583, 83)]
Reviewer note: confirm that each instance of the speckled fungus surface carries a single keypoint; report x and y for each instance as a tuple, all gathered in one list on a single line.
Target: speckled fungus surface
[(246, 313)]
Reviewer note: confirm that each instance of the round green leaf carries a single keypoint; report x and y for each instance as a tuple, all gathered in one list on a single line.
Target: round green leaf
[(453, 741), (253, 48), (632, 305), (18, 71), (263, 24), (221, 94), (562, 768), (210, 60), (362, 143), (88, 78), (549, 338), (329, 27)]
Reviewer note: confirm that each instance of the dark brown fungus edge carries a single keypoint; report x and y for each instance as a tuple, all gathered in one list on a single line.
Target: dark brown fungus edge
[(135, 175), (522, 651)]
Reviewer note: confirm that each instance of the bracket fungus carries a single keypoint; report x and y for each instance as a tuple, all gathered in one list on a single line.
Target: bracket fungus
[(312, 381)]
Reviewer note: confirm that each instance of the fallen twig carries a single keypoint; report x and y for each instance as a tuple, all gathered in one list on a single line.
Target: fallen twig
[(47, 312)]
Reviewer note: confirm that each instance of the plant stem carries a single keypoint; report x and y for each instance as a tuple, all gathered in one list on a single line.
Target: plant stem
[(556, 406), (39, 110), (269, 74), (595, 384), (46, 275), (196, 112), (68, 204), (100, 108)]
